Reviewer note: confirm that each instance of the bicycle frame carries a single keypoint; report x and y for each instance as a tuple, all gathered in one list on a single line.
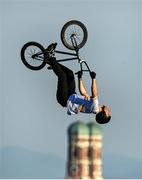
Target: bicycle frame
[(75, 58), (76, 55), (74, 43)]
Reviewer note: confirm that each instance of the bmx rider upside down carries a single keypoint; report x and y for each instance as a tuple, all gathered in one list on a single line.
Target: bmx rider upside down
[(77, 103)]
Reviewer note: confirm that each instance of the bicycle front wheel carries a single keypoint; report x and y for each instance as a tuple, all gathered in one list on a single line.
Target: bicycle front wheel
[(32, 55), (78, 30)]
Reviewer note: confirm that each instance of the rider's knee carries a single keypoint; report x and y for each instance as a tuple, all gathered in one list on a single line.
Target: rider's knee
[(62, 101)]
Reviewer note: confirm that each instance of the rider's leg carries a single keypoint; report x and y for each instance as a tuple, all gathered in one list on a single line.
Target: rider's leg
[(70, 80), (62, 87)]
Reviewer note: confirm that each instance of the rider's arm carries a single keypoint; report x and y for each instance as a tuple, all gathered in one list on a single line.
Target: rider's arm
[(94, 85), (82, 89), (94, 88), (95, 95)]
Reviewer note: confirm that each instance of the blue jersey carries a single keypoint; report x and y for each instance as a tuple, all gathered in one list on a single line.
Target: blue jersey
[(77, 103)]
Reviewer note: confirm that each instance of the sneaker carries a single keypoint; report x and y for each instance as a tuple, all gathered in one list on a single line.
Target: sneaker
[(49, 59)]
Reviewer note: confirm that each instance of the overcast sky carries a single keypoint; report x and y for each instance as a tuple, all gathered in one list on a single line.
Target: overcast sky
[(33, 126)]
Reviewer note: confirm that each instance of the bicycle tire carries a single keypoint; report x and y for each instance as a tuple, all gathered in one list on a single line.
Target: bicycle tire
[(25, 59), (82, 28)]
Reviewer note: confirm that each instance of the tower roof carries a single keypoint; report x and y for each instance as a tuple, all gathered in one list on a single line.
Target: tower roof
[(94, 128), (78, 128)]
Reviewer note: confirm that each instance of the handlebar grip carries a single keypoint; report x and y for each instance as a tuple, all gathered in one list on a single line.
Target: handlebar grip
[(78, 72)]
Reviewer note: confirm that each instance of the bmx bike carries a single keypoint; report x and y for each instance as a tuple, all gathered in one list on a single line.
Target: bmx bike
[(73, 36)]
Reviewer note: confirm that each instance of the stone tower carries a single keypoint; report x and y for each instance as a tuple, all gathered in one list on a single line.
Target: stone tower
[(78, 143), (84, 151), (95, 151)]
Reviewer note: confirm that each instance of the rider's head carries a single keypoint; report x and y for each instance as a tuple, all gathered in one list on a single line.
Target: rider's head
[(103, 116)]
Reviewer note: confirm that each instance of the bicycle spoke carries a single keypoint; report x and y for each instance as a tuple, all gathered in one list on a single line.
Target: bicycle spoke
[(77, 31), (78, 38), (74, 33), (30, 51)]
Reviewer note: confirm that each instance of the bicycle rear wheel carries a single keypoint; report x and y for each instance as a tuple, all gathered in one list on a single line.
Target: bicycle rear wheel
[(78, 30), (32, 55)]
